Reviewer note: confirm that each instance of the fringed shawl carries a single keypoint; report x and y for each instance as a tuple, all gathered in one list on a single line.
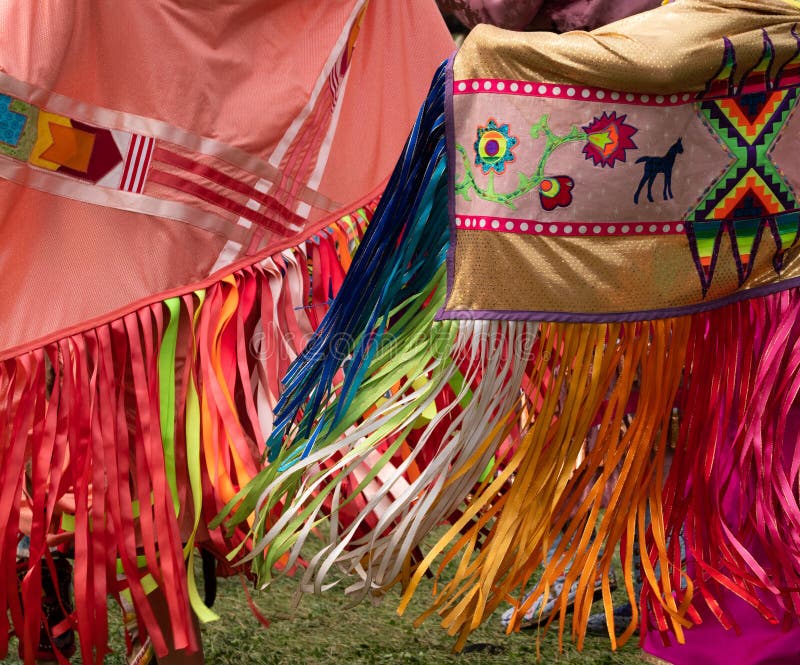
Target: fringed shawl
[(619, 215)]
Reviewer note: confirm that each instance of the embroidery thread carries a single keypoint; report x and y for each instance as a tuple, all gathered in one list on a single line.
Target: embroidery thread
[(752, 193), (554, 192), (493, 147), (607, 139)]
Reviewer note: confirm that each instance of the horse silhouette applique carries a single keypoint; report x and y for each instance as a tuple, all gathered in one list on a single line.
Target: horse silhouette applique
[(655, 165)]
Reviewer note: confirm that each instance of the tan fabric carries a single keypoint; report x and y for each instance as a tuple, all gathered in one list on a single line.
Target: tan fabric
[(648, 70), (592, 276), (674, 48)]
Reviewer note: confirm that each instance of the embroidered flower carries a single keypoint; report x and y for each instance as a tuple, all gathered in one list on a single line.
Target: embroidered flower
[(608, 137), (493, 147), (557, 191)]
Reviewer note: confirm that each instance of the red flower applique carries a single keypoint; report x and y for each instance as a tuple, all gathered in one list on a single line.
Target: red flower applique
[(608, 137), (555, 192)]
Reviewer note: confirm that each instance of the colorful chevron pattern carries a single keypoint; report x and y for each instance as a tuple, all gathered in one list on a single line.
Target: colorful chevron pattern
[(752, 194), (57, 143)]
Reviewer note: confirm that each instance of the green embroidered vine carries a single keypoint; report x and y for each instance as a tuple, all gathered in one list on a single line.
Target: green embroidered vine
[(527, 183)]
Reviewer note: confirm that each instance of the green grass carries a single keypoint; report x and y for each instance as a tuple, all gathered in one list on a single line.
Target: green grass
[(323, 630)]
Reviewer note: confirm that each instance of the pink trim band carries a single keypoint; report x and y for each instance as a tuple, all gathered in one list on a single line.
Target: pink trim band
[(79, 190), (135, 124), (272, 205), (210, 196), (576, 229)]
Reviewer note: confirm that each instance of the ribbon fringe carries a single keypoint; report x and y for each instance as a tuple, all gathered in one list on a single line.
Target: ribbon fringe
[(548, 448), (127, 439)]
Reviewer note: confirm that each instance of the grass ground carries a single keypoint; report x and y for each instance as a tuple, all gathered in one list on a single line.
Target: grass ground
[(324, 631)]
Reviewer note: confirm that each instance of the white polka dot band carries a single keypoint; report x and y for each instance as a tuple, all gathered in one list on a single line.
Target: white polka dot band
[(509, 87)]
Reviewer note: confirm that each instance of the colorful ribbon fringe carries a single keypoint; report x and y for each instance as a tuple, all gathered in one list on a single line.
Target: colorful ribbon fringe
[(127, 439), (512, 431)]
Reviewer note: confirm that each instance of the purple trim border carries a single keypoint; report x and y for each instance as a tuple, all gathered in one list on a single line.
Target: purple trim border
[(450, 149), (610, 317)]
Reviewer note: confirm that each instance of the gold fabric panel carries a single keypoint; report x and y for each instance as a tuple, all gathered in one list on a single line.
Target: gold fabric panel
[(509, 272), (676, 48)]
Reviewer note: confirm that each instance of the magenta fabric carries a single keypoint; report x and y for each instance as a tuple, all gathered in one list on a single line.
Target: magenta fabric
[(759, 642), (561, 15)]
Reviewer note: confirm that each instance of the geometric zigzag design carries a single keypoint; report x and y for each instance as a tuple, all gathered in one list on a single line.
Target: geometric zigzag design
[(746, 117), (751, 193)]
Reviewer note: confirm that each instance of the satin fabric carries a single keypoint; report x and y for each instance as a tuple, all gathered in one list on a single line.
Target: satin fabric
[(239, 74), (754, 641)]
